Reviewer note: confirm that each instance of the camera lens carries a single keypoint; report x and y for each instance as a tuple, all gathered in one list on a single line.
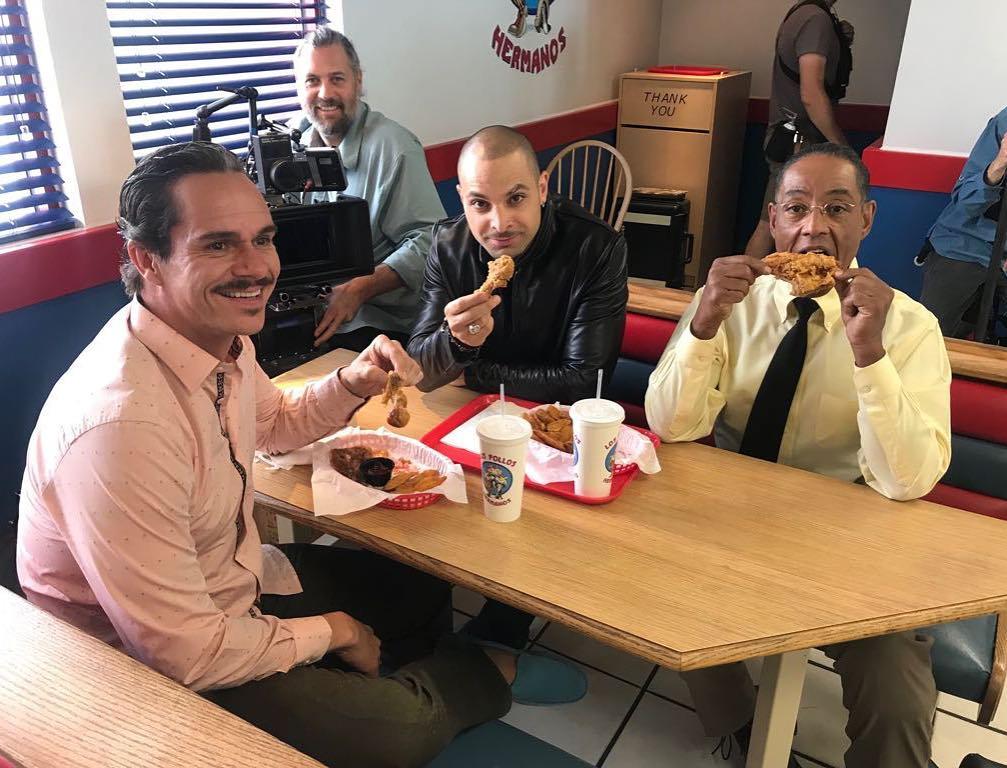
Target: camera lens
[(286, 176)]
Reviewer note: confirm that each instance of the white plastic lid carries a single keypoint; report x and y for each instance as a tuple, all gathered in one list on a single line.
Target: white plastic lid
[(504, 428), (597, 410)]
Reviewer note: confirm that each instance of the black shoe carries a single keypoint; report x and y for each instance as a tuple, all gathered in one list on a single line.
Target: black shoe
[(479, 629), (743, 737)]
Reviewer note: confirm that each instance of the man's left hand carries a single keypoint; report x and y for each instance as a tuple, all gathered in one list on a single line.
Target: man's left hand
[(367, 374), (344, 303), (865, 301)]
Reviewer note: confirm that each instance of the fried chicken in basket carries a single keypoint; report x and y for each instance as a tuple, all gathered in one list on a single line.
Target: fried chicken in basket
[(809, 274), (398, 416), (501, 271), (347, 461)]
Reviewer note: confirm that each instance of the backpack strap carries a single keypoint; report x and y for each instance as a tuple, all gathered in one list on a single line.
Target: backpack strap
[(837, 89)]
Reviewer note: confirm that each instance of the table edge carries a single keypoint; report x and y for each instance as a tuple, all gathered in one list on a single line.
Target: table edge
[(653, 652)]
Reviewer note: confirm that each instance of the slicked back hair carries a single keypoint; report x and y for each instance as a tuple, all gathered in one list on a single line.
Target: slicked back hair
[(830, 150), (147, 206)]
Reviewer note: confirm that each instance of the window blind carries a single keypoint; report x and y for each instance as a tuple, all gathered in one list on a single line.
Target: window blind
[(31, 190), (173, 56)]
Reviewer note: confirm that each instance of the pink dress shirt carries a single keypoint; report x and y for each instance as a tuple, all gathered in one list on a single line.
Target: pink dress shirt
[(136, 505)]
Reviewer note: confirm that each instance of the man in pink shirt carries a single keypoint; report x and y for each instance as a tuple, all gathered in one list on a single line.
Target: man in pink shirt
[(136, 506)]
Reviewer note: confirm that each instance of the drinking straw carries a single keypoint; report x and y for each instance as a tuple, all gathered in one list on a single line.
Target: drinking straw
[(597, 394), (501, 398)]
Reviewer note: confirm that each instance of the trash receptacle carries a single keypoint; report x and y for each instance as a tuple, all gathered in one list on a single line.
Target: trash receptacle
[(684, 127), (657, 237)]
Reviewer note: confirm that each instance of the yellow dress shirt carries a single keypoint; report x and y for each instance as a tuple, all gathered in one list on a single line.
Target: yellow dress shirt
[(889, 422)]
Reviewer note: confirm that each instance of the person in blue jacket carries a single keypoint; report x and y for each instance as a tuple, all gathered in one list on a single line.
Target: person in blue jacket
[(957, 255)]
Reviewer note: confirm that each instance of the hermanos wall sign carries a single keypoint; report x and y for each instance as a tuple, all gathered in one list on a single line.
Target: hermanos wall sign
[(529, 45)]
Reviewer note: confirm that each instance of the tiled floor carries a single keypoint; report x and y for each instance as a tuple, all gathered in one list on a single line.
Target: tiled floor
[(638, 715)]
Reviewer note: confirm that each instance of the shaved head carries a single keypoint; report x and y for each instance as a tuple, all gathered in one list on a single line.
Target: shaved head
[(503, 191), (498, 141)]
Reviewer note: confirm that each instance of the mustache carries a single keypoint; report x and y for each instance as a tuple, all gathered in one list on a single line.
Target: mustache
[(244, 285), (330, 103)]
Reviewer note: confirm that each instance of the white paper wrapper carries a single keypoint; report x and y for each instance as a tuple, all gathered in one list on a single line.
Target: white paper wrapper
[(547, 465), (287, 460), (335, 494)]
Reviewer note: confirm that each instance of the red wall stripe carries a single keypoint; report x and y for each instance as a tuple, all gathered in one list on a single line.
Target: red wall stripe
[(55, 266), (912, 170)]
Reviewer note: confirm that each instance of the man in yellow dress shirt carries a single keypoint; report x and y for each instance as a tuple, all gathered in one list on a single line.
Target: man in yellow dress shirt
[(872, 404)]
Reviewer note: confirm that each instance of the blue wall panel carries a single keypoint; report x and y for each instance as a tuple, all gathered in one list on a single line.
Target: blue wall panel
[(38, 344), (903, 219)]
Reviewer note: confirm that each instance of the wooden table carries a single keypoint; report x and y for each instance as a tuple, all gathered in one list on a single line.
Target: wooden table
[(718, 558), (971, 359), (69, 700)]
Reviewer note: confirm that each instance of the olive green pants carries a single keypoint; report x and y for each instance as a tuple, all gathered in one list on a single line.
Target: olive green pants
[(888, 690), (438, 686)]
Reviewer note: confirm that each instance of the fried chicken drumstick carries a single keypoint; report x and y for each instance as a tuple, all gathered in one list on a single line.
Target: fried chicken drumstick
[(501, 270)]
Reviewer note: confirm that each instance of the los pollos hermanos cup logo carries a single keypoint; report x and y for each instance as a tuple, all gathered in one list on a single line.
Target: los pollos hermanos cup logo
[(497, 480), (610, 459), (534, 54)]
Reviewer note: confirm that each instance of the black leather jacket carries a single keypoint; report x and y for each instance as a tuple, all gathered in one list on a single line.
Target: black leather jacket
[(559, 321)]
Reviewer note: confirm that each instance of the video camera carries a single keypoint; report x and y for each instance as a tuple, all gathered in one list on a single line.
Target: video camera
[(277, 162), (318, 244)]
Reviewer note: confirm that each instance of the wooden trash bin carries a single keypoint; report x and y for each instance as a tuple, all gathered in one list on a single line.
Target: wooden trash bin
[(684, 128)]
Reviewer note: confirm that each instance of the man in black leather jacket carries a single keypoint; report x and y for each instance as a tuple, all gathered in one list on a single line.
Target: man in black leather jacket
[(561, 318), (548, 332)]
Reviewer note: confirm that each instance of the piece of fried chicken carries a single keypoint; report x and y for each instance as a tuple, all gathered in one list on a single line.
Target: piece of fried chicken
[(501, 270), (809, 274), (398, 416)]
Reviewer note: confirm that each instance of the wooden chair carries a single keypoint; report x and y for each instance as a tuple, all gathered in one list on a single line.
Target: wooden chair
[(585, 171), (970, 660), (995, 687)]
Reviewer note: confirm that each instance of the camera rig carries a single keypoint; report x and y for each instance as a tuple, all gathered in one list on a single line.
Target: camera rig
[(277, 162)]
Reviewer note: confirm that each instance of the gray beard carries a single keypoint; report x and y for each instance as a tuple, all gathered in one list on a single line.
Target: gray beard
[(335, 130)]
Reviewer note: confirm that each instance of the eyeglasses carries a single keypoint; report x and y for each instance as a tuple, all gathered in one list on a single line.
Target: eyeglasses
[(798, 212)]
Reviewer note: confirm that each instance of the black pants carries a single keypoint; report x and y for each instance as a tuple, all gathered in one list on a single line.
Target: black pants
[(952, 290), (441, 685), (502, 624)]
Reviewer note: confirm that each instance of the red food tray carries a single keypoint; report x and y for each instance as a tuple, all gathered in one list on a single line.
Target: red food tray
[(469, 460), (694, 71)]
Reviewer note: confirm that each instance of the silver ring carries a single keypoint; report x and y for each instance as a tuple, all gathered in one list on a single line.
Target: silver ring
[(474, 329)]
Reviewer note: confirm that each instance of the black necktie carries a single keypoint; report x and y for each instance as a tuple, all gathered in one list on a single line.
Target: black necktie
[(768, 418)]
